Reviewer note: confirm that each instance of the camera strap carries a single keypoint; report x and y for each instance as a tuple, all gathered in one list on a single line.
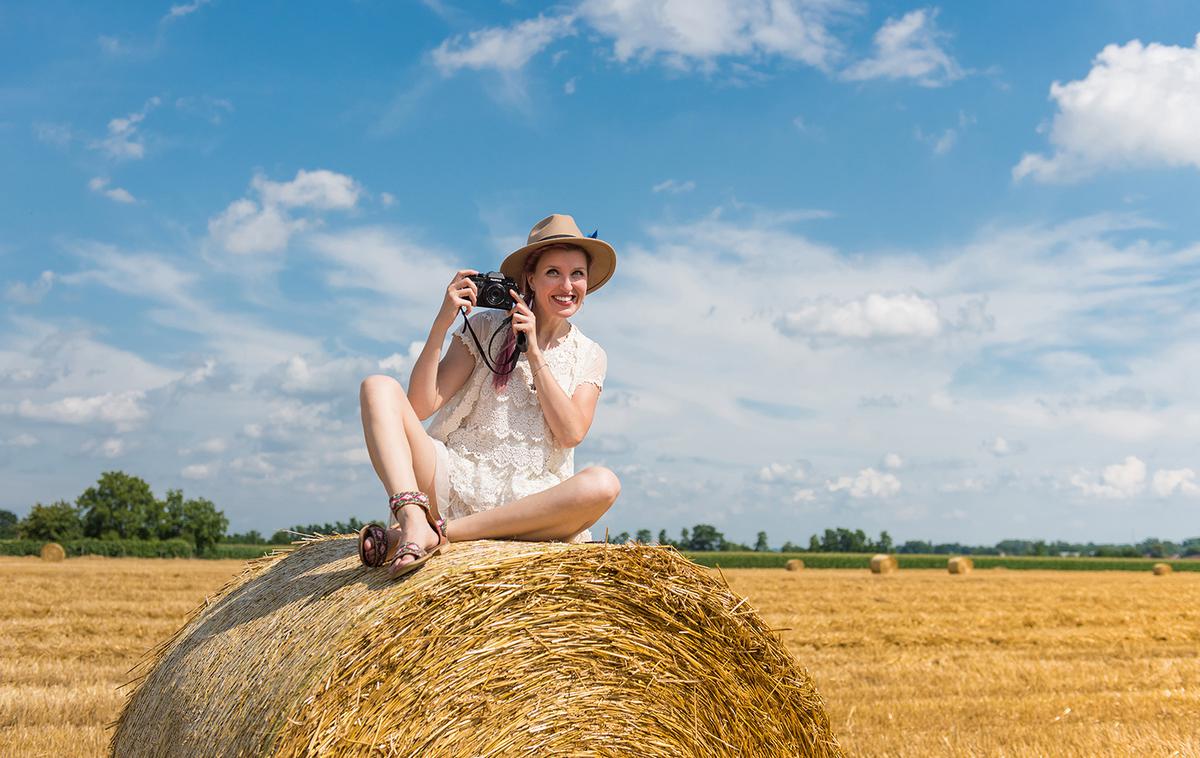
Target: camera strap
[(505, 369)]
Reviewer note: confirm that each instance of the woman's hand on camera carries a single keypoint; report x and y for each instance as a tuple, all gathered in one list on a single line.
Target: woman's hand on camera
[(461, 293), (523, 321)]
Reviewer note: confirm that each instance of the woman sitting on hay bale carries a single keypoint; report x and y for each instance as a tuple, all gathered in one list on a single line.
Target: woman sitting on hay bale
[(498, 461)]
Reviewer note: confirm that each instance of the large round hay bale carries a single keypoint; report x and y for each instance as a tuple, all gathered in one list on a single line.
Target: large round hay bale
[(884, 564), (1162, 569), (491, 649), (52, 551), (794, 564), (960, 564)]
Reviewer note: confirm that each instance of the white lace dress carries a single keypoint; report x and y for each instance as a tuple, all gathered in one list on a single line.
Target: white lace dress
[(495, 446)]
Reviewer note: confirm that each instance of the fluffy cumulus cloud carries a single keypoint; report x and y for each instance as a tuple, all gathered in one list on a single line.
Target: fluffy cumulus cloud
[(267, 223), (866, 483), (32, 293), (123, 409), (910, 47), (680, 35), (124, 140), (876, 315), (1137, 107), (1119, 480), (1168, 482)]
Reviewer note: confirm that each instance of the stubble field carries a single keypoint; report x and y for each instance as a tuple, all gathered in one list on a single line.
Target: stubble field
[(916, 664)]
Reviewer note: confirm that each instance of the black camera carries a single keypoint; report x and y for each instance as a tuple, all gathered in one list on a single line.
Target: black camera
[(493, 290)]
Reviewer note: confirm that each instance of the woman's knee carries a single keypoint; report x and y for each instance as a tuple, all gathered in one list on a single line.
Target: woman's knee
[(377, 385), (603, 484)]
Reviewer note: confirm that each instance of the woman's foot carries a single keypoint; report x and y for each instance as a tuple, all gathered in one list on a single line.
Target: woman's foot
[(414, 527), (393, 538)]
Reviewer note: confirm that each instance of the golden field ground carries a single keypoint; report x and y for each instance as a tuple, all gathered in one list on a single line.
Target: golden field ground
[(919, 663)]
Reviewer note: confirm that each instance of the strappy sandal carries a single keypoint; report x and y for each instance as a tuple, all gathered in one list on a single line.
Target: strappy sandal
[(419, 554), (377, 554)]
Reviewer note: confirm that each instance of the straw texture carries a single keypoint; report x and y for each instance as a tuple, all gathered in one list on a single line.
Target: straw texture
[(794, 564), (1162, 569), (884, 564), (52, 551), (492, 649), (960, 564)]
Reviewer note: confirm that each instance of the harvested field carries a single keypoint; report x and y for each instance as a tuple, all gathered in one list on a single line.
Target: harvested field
[(991, 663)]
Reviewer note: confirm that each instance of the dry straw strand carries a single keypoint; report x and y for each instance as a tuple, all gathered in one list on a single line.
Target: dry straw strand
[(52, 551), (960, 564), (492, 649), (884, 564), (795, 564), (1162, 569)]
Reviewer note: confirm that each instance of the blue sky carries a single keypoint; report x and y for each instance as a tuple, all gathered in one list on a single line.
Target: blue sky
[(929, 269)]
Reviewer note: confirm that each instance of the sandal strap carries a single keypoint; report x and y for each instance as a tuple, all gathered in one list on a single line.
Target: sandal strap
[(410, 548), (411, 497)]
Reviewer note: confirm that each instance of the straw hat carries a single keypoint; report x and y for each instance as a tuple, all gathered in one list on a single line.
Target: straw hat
[(557, 229)]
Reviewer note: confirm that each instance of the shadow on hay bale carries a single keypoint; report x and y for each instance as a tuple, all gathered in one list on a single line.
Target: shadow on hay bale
[(494, 648)]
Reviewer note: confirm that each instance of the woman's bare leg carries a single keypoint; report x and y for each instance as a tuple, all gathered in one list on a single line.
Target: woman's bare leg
[(401, 452), (558, 513)]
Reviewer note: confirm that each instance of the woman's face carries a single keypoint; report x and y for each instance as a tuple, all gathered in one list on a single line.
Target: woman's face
[(559, 281)]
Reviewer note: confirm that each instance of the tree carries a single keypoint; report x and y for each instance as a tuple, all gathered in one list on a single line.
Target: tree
[(788, 547), (196, 519), (643, 536), (885, 543), (120, 506), (252, 537), (814, 545), (663, 539), (620, 539), (705, 537), (51, 523), (760, 545), (8, 525)]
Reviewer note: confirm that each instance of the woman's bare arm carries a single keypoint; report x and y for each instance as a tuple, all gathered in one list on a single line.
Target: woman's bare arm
[(569, 418), (435, 379)]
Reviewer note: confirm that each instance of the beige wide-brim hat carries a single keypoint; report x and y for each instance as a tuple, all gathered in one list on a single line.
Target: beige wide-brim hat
[(558, 229)]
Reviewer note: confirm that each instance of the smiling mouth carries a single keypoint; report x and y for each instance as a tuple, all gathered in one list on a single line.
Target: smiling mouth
[(563, 300)]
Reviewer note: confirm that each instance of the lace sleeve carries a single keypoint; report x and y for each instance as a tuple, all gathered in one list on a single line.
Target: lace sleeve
[(593, 367)]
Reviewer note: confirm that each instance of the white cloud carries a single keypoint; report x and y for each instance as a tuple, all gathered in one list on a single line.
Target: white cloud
[(400, 365), (30, 294), (1137, 107), (184, 9), (909, 47), (211, 109), (695, 34), (569, 86), (502, 48), (680, 35), (783, 472), (199, 471), (674, 186), (1167, 482), (123, 409), (248, 226), (1002, 447), (893, 461), (1119, 480), (124, 142), (875, 316), (109, 447), (99, 185), (867, 483), (387, 199)]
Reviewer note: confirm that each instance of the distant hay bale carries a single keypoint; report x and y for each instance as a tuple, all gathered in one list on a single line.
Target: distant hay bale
[(884, 564), (960, 564), (52, 551), (1162, 569), (794, 564), (491, 649)]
